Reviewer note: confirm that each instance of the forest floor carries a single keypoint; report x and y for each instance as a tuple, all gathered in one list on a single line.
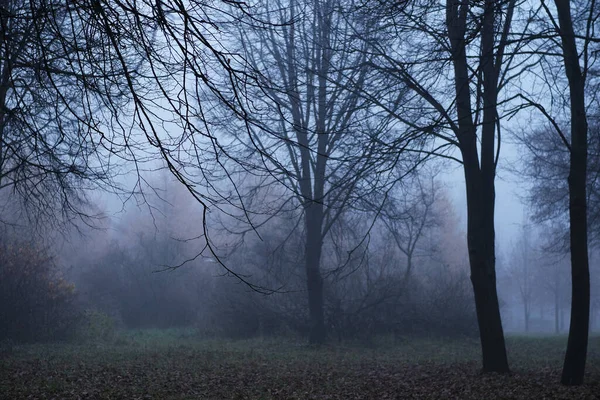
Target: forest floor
[(179, 365)]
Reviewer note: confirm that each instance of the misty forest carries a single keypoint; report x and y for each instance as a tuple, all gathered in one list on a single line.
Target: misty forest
[(299, 199)]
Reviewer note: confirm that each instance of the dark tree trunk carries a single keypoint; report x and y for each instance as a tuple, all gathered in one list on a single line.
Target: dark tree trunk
[(488, 317), (480, 231), (479, 179), (575, 358), (314, 280)]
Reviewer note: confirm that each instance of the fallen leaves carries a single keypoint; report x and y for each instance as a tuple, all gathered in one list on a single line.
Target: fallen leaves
[(197, 373)]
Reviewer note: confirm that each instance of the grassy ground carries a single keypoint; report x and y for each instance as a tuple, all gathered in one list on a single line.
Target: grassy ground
[(179, 365)]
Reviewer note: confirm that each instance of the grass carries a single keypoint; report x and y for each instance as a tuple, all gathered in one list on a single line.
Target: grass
[(178, 364)]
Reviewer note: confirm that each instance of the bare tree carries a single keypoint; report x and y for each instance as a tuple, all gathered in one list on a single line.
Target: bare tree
[(319, 138), (454, 59), (552, 276), (544, 167), (522, 271), (568, 31), (574, 367), (407, 215)]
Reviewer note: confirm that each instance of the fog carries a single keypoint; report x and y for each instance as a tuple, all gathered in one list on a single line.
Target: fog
[(287, 188), (146, 265)]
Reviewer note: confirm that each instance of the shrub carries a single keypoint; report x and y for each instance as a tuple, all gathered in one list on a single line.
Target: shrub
[(36, 303), (122, 284), (437, 305), (96, 326)]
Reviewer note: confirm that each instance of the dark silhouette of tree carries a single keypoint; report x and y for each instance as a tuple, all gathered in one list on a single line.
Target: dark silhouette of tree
[(454, 60), (568, 30), (575, 358)]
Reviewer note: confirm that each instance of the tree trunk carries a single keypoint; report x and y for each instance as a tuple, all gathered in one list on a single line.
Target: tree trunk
[(483, 277), (314, 280), (575, 358), (481, 244), (526, 310), (488, 318), (479, 180)]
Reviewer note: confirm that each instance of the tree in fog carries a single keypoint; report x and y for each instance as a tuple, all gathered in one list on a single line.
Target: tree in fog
[(522, 270), (454, 58), (569, 32), (319, 138), (370, 294), (407, 214), (545, 167), (553, 278), (575, 358)]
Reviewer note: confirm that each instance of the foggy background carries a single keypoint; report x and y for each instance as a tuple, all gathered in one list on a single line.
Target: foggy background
[(134, 253), (145, 265)]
